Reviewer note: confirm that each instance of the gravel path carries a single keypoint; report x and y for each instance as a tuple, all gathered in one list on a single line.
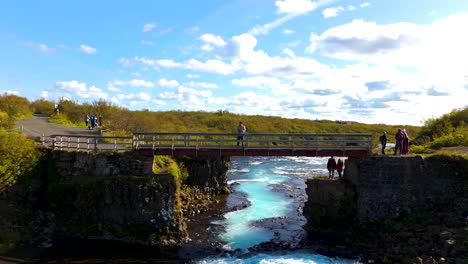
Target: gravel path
[(39, 125)]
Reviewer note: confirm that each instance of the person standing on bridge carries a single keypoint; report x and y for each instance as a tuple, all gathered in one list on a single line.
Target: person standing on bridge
[(331, 166), (241, 129), (339, 167), (405, 142), (383, 141), (86, 120), (399, 142)]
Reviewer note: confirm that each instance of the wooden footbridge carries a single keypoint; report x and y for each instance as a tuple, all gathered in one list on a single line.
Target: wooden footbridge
[(220, 144)]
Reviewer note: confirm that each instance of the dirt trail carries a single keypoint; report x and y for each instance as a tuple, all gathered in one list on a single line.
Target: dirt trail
[(39, 125)]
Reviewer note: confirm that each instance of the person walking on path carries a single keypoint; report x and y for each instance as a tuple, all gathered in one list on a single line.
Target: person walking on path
[(86, 120), (331, 166), (383, 141), (405, 142), (100, 121), (339, 167), (241, 129), (399, 142), (93, 121)]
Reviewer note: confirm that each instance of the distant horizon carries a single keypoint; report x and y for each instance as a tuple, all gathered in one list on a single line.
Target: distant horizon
[(358, 61)]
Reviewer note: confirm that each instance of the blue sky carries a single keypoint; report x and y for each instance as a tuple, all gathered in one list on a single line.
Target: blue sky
[(394, 62)]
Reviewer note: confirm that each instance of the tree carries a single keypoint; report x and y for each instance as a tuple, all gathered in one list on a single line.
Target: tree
[(42, 106), (15, 106)]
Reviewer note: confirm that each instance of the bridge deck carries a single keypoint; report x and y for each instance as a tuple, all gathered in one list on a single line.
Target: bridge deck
[(222, 144)]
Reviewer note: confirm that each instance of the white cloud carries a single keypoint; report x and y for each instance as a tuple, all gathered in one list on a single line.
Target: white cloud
[(125, 62), (139, 96), (87, 49), (290, 9), (207, 47), (213, 66), (297, 6), (192, 30), (193, 76), (148, 27), (429, 48), (288, 31), (9, 92), (44, 94), (39, 46), (44, 48), (266, 28), (364, 5), (159, 102), (168, 83), (135, 83), (202, 85), (213, 39), (188, 98), (74, 88), (332, 11), (289, 53), (147, 43), (351, 8), (260, 82), (71, 86), (112, 88), (96, 93)]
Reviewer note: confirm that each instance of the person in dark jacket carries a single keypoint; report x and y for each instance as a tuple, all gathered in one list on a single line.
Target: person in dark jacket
[(383, 141), (339, 167), (399, 142), (331, 166)]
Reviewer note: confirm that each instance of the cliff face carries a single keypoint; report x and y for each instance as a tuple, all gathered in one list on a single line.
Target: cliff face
[(109, 195), (209, 174), (386, 187), (389, 186), (112, 195), (395, 209)]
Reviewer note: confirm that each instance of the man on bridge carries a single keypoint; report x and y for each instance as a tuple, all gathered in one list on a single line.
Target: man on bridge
[(241, 129)]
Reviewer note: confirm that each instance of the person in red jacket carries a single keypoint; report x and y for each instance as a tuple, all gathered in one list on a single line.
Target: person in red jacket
[(339, 167)]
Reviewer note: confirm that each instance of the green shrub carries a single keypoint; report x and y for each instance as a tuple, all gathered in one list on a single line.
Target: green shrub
[(18, 154), (4, 120), (449, 141), (419, 149)]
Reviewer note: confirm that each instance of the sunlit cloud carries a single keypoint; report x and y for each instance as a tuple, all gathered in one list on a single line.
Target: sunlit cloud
[(87, 49)]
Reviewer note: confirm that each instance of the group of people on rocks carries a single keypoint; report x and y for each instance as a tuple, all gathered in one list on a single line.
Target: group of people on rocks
[(401, 142), (332, 165), (93, 121)]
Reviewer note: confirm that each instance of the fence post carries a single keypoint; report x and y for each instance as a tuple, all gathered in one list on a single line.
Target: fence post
[(95, 144), (134, 142)]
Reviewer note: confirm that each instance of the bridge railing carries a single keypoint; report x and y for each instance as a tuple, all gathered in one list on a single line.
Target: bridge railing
[(210, 141), (158, 140), (88, 143)]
